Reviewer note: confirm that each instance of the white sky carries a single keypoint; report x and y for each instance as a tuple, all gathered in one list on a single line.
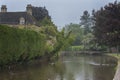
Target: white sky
[(62, 11)]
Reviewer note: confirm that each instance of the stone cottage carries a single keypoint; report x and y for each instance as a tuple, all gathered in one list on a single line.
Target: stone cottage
[(17, 18), (30, 16)]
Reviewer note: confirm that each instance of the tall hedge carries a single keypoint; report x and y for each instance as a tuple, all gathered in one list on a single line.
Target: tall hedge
[(19, 44)]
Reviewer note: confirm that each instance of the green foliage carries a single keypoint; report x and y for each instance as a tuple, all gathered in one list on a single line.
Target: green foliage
[(40, 13), (107, 24), (77, 48), (81, 39), (49, 48), (88, 41), (86, 22), (56, 40), (45, 22), (76, 32), (20, 44), (63, 41), (49, 30)]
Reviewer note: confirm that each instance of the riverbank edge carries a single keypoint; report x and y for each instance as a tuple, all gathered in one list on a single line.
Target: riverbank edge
[(117, 73)]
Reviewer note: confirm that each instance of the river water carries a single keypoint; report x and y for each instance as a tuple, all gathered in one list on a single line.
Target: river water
[(67, 68)]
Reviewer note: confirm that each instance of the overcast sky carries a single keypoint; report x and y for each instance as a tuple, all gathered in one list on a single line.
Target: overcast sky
[(62, 11)]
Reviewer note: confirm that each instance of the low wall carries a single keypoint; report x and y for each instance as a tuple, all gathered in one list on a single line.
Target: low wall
[(117, 74)]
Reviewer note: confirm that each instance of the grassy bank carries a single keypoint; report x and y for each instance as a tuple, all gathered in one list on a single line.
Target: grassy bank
[(116, 56), (116, 77), (18, 45)]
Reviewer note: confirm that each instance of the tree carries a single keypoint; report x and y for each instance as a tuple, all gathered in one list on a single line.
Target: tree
[(76, 31), (107, 24), (86, 22), (62, 42), (88, 41), (45, 22), (42, 16), (40, 13)]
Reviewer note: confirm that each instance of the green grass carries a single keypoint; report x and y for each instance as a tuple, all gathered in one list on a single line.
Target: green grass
[(116, 56), (75, 48)]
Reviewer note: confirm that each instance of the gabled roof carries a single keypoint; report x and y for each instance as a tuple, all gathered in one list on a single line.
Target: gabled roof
[(14, 18)]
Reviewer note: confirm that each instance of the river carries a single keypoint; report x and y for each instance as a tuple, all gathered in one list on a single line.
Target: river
[(66, 68)]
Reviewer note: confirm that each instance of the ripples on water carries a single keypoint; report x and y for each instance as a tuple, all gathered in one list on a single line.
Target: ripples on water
[(67, 68)]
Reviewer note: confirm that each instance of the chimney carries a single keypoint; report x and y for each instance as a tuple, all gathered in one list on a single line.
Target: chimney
[(3, 8), (29, 9)]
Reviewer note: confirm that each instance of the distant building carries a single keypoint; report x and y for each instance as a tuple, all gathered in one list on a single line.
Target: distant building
[(17, 18)]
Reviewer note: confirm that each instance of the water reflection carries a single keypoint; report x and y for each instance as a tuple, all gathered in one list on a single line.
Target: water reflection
[(67, 68)]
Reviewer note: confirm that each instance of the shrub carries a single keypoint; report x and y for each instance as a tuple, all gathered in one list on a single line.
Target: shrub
[(19, 44)]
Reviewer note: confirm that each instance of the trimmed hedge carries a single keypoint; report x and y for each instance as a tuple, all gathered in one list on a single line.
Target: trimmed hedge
[(20, 45)]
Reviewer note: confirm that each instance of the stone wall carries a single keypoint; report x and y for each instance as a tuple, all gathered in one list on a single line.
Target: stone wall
[(117, 74)]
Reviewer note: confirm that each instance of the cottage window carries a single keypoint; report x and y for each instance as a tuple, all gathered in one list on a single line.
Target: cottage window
[(22, 21)]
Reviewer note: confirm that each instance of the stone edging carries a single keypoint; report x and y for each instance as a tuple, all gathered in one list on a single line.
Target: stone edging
[(117, 74)]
